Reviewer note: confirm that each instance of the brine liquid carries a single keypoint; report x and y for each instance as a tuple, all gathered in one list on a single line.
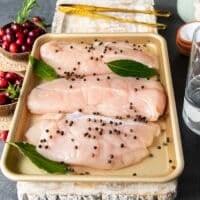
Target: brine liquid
[(191, 106)]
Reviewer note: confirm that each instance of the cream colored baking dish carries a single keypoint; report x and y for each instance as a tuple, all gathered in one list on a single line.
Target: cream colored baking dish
[(166, 159)]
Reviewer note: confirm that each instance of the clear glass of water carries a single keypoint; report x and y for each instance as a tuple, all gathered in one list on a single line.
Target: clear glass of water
[(191, 105)]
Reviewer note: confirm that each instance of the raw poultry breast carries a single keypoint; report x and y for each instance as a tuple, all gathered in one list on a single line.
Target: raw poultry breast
[(110, 125), (91, 140), (107, 95), (87, 59)]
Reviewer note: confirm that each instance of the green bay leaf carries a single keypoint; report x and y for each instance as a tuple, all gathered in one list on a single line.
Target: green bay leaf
[(42, 69), (131, 68), (30, 152)]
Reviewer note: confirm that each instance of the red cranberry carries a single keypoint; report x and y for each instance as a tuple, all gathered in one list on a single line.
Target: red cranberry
[(3, 82), (39, 31), (26, 48), (34, 34), (19, 42), (2, 74), (25, 24), (2, 32), (16, 27), (7, 94), (20, 38), (31, 34), (19, 35), (5, 45), (14, 48), (3, 135), (9, 30), (5, 38), (28, 24), (11, 77), (3, 99), (10, 37), (18, 81), (36, 19), (30, 41), (25, 31)]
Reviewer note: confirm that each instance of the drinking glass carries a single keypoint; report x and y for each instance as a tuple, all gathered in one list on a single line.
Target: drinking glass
[(191, 105)]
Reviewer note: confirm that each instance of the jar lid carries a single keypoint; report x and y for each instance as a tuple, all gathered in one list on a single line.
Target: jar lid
[(184, 37)]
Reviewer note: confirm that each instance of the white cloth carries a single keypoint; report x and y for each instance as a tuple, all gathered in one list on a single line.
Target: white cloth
[(100, 191), (79, 24)]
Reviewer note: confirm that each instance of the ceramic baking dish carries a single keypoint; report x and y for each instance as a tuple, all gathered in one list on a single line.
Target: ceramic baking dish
[(166, 158)]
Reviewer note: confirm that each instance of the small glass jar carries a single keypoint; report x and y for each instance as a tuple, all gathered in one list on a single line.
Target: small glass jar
[(186, 9)]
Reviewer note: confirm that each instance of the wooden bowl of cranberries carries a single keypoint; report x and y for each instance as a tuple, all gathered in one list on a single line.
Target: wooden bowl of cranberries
[(16, 40), (10, 86)]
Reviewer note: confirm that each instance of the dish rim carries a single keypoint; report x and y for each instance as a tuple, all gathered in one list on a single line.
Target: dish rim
[(97, 178)]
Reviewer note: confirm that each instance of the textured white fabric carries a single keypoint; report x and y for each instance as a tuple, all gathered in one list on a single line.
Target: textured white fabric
[(163, 191), (73, 23)]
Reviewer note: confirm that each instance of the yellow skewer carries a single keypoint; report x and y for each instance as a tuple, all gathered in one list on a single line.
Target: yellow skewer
[(83, 12), (159, 13)]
